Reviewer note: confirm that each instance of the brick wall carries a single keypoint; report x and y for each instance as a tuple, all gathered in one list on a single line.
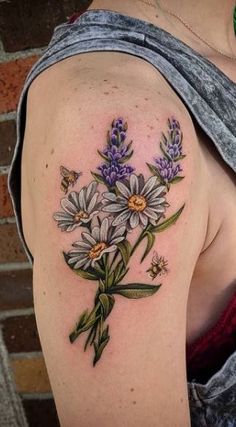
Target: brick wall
[(25, 29)]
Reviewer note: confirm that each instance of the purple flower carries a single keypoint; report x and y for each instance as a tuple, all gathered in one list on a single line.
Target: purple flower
[(116, 154), (117, 134), (119, 124), (113, 172), (174, 150), (173, 124), (167, 169), (173, 143)]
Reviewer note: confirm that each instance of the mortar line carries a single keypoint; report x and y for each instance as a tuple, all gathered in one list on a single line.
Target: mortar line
[(19, 54), (4, 117), (5, 314), (8, 220), (36, 396), (25, 355), (4, 170), (14, 266)]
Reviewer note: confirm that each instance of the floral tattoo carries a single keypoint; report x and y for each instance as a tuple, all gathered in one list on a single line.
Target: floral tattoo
[(107, 218)]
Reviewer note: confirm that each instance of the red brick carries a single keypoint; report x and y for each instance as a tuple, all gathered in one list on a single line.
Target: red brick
[(11, 249), (13, 75), (41, 412), (7, 141), (20, 334), (5, 201), (16, 289), (30, 375), (25, 30)]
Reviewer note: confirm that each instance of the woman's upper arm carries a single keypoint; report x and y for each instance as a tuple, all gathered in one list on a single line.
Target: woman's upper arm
[(115, 215)]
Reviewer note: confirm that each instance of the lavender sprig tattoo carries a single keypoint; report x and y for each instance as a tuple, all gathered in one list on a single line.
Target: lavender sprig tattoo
[(166, 167), (107, 218), (115, 154)]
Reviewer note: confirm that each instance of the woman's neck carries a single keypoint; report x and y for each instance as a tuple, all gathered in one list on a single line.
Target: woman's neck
[(213, 19)]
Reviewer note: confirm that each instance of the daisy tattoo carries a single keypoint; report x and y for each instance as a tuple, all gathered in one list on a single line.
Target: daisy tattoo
[(78, 208), (105, 213), (137, 203)]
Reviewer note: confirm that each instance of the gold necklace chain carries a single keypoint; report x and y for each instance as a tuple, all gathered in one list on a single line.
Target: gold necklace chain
[(188, 27)]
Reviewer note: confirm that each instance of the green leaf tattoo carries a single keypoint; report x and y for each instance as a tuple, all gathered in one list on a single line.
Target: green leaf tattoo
[(134, 290), (106, 218)]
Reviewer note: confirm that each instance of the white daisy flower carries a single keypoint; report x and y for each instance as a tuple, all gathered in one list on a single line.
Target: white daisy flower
[(137, 202), (102, 239), (79, 208)]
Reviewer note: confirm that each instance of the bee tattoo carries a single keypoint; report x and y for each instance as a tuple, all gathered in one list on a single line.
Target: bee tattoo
[(68, 178), (158, 266)]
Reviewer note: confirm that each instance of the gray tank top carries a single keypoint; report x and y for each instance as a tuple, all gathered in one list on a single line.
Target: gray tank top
[(210, 97)]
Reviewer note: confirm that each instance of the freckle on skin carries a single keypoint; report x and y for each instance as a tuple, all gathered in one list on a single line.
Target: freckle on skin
[(136, 106), (44, 293), (132, 389), (105, 80), (52, 151), (106, 93), (46, 166), (134, 402)]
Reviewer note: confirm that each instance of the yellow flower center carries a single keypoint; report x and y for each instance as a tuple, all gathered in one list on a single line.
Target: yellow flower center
[(137, 203), (97, 249), (81, 215)]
